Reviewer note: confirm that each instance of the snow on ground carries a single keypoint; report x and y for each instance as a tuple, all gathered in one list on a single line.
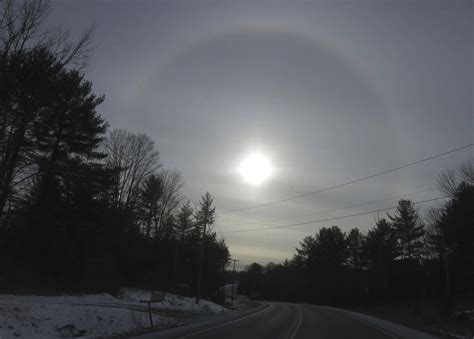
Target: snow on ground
[(89, 315), (172, 302)]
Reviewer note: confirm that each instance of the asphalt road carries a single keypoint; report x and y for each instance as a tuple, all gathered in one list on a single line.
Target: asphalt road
[(294, 321)]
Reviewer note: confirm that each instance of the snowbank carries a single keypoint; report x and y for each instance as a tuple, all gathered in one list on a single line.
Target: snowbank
[(89, 315), (173, 302)]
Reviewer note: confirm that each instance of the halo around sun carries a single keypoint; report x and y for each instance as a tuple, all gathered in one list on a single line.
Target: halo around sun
[(255, 169)]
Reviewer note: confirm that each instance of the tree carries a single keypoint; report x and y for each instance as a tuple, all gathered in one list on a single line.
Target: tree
[(134, 158), (22, 29), (158, 199), (330, 248), (171, 183), (68, 134), (204, 218), (381, 244), (150, 198), (456, 224), (408, 229), (355, 244), (303, 254), (29, 58), (184, 222), (53, 170), (435, 243), (381, 249)]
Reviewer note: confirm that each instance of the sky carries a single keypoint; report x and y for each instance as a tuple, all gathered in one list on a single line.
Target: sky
[(328, 91)]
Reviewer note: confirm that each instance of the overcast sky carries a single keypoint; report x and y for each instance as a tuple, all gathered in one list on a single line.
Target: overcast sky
[(328, 91)]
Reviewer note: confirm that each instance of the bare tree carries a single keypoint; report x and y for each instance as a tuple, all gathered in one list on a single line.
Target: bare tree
[(158, 200), (134, 158), (171, 183), (449, 180), (22, 28)]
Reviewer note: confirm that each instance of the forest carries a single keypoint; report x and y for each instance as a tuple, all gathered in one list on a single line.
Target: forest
[(83, 206), (402, 257)]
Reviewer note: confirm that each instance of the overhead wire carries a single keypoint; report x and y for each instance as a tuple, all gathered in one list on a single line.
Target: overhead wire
[(347, 182), (330, 211), (329, 219)]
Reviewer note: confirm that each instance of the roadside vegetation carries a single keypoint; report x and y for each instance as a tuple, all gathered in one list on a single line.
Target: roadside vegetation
[(420, 271), (84, 207)]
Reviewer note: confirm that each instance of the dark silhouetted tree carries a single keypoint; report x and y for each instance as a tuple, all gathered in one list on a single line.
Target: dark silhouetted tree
[(356, 244), (30, 56), (408, 229), (184, 222), (150, 204), (134, 158), (205, 217)]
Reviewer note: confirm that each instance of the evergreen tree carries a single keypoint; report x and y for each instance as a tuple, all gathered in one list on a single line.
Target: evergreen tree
[(381, 245), (355, 244), (408, 229), (184, 222), (456, 224), (67, 134), (330, 248), (205, 216)]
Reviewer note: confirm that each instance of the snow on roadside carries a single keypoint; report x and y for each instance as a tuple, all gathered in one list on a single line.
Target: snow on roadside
[(172, 302), (90, 316)]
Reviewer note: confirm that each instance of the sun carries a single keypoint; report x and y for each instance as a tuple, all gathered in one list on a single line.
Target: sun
[(255, 169)]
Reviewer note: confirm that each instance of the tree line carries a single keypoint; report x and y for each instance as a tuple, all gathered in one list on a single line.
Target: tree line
[(404, 256), (83, 206)]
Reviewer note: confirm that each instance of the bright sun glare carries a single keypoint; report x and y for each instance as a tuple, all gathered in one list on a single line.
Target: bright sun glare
[(255, 169)]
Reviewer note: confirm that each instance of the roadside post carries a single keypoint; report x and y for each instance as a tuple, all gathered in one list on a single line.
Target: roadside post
[(155, 297)]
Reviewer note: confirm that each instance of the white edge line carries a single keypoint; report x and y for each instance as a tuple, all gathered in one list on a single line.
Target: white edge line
[(228, 323)]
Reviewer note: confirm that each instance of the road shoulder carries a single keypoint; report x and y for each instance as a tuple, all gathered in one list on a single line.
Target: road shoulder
[(202, 323)]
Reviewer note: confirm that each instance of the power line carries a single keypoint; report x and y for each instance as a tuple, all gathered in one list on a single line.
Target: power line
[(219, 229), (348, 182), (329, 219), (333, 210)]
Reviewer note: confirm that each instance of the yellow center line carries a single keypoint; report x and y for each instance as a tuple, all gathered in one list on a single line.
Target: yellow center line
[(266, 309), (298, 324)]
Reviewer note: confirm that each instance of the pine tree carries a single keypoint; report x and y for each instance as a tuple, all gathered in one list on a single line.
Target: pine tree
[(408, 229), (331, 248), (184, 222), (355, 244), (381, 245), (205, 217), (381, 249), (67, 135)]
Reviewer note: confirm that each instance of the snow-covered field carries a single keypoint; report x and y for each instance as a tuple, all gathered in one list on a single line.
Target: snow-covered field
[(89, 316)]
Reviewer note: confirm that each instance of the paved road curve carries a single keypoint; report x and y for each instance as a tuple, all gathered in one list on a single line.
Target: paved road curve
[(295, 321)]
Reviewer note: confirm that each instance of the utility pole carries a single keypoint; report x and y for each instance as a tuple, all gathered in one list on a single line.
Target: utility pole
[(233, 282)]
